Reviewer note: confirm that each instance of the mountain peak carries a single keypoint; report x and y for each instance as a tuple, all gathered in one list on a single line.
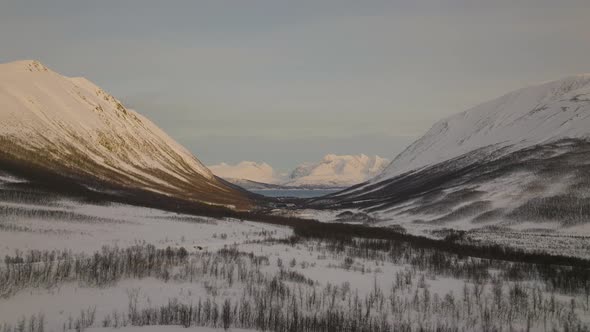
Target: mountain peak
[(331, 171), (337, 171), (24, 66), (512, 162)]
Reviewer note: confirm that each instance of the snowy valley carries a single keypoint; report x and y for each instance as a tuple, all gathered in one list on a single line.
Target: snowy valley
[(107, 224), (72, 265)]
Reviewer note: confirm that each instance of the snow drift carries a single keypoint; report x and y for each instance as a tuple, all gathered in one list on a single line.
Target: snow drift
[(332, 171)]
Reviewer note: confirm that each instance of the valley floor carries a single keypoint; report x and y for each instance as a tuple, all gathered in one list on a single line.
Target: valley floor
[(73, 266), (545, 237)]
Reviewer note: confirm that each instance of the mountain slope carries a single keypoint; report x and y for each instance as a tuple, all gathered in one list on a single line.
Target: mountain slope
[(520, 161), (523, 118), (337, 171), (69, 126)]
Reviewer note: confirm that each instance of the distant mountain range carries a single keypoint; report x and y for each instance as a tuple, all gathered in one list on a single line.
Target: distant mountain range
[(337, 171), (519, 161), (246, 171), (332, 171), (69, 128)]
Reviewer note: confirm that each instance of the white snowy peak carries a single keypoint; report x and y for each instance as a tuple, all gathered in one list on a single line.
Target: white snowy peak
[(337, 171), (72, 126), (246, 170), (526, 117)]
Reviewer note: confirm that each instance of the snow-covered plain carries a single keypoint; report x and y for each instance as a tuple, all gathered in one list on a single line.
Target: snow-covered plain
[(87, 228), (81, 228), (245, 265)]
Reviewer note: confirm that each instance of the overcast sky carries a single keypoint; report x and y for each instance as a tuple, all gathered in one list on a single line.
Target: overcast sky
[(289, 81)]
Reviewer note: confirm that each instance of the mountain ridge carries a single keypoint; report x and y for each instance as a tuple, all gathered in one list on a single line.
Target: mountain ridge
[(332, 171), (337, 171)]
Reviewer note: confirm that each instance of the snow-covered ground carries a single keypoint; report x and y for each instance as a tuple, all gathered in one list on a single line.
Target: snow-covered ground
[(546, 237), (234, 270), (87, 228), (79, 228)]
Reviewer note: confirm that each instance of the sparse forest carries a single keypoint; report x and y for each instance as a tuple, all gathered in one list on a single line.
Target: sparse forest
[(276, 295)]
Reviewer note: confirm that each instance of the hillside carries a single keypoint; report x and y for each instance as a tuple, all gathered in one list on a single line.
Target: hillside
[(526, 117), (72, 128), (518, 162)]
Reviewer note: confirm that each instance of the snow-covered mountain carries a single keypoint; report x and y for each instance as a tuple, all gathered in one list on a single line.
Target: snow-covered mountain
[(246, 170), (523, 118), (337, 171), (71, 127), (517, 161), (332, 171)]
